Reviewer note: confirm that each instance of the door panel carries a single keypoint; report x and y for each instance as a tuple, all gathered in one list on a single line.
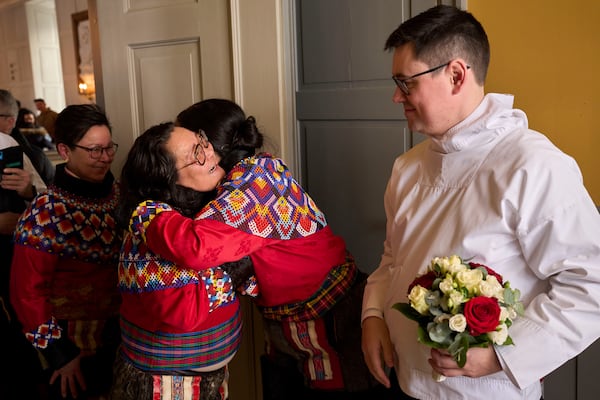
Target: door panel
[(350, 130), (156, 58), (349, 168), (45, 53)]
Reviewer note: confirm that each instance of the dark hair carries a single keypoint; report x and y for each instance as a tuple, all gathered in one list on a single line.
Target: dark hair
[(233, 136), (21, 117), (74, 121), (442, 33), (150, 172)]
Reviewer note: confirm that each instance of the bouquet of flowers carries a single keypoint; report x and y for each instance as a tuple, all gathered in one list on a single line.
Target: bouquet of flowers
[(459, 305)]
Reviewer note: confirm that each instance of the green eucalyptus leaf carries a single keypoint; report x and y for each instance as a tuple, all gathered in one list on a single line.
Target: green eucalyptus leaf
[(440, 332), (458, 349), (509, 297)]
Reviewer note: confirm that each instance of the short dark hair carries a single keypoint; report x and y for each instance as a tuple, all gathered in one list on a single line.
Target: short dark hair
[(74, 121), (150, 172), (442, 33), (36, 100), (233, 135)]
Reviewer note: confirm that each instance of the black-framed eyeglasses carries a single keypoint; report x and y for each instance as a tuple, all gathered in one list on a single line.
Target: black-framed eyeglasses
[(199, 154), (401, 83), (96, 151), (6, 115)]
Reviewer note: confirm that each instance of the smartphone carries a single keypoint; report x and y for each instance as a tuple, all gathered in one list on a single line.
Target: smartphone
[(11, 157)]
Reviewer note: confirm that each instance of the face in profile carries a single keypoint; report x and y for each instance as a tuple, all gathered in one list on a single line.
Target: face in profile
[(91, 157), (197, 163)]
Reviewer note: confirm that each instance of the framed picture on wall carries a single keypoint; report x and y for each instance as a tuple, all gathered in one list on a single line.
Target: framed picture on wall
[(83, 53)]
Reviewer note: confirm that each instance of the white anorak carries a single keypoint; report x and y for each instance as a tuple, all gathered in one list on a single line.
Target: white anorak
[(502, 195)]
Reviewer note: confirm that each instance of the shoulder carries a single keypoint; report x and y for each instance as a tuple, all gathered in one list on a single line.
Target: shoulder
[(7, 141), (531, 151)]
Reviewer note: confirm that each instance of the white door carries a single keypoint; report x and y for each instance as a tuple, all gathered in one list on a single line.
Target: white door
[(44, 49), (158, 57), (152, 59)]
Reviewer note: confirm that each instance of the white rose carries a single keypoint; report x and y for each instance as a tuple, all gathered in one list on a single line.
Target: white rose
[(500, 335), (491, 288), (458, 323), (417, 299), (512, 313), (447, 284), (455, 265), (455, 299), (470, 279), (504, 313), (442, 262)]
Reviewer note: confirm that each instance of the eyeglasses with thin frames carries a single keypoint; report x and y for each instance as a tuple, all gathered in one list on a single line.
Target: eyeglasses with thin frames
[(401, 82), (199, 154), (96, 151)]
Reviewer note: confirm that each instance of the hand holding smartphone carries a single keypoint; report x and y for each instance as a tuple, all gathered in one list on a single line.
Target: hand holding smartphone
[(10, 157)]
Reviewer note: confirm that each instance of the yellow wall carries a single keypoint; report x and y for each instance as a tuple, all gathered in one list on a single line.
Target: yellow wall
[(547, 53)]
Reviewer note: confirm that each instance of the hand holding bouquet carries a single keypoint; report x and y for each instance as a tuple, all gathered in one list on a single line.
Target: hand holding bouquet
[(459, 305)]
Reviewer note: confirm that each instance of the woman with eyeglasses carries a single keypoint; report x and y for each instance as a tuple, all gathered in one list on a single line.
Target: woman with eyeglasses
[(180, 326), (309, 288), (64, 269)]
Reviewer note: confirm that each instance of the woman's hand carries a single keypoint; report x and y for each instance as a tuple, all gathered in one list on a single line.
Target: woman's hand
[(71, 377)]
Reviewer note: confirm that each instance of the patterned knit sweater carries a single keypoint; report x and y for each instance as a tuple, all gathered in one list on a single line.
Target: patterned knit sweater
[(263, 212), (64, 269)]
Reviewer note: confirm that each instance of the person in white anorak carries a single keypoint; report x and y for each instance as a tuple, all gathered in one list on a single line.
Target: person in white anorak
[(486, 187)]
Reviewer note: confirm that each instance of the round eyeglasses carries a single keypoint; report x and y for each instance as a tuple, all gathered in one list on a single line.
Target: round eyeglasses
[(198, 152), (96, 151)]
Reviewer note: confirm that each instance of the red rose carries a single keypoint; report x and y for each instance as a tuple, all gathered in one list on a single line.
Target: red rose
[(425, 280), (482, 314), (488, 269)]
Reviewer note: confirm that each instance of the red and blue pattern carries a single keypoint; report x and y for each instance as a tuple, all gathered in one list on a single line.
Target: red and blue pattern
[(70, 226), (44, 334), (261, 197), (141, 270)]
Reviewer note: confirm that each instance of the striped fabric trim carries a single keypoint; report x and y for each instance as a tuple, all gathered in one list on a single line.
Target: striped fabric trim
[(86, 334), (169, 387), (176, 387), (162, 352), (321, 363), (338, 282)]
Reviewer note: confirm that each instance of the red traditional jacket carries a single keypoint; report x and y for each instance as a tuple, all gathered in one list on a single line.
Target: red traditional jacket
[(260, 211)]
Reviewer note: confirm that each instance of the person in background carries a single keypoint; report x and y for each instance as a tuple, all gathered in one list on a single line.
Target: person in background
[(309, 286), (35, 134), (17, 187), (180, 326), (46, 117), (38, 157), (64, 270), (485, 187)]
